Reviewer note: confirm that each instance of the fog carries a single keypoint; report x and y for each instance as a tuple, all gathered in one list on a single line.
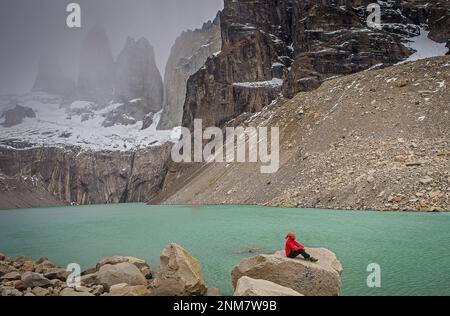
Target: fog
[(30, 28)]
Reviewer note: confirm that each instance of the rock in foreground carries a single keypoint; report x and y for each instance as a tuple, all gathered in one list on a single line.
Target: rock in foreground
[(179, 274), (311, 279), (125, 272), (138, 290), (250, 287)]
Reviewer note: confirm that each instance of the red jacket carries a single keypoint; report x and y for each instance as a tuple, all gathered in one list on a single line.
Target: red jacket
[(292, 245)]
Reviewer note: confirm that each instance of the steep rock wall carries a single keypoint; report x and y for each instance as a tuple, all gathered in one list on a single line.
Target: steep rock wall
[(80, 177)]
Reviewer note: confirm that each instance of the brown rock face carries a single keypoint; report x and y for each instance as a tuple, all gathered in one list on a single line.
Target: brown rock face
[(179, 274), (302, 42), (80, 177), (188, 55)]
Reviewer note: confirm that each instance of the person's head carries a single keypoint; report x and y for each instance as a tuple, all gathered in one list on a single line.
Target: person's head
[(291, 236)]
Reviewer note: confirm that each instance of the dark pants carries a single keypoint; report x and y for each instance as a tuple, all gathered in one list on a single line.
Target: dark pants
[(295, 254)]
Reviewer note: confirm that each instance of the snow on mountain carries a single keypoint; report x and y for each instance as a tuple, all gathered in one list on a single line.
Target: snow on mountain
[(425, 47), (78, 124)]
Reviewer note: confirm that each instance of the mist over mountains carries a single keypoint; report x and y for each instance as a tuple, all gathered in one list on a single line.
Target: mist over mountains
[(30, 29)]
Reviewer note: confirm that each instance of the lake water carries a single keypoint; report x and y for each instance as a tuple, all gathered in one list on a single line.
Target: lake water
[(412, 249)]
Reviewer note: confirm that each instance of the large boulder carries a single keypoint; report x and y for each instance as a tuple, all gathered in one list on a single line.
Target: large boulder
[(250, 287), (44, 266), (9, 291), (125, 272), (72, 292), (179, 274), (32, 280), (11, 276), (311, 279), (139, 263), (139, 290), (89, 279), (56, 273)]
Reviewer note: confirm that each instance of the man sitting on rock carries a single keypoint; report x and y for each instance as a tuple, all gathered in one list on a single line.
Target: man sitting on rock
[(294, 249)]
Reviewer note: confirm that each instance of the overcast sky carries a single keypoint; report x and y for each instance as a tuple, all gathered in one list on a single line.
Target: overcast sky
[(28, 28)]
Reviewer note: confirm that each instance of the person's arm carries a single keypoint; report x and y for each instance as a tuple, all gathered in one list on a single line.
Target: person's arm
[(293, 245), (298, 246)]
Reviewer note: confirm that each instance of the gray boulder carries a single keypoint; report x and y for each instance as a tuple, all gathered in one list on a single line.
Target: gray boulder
[(11, 276), (32, 280), (125, 272), (72, 292), (311, 279), (9, 291), (139, 290), (250, 287), (56, 273), (139, 263)]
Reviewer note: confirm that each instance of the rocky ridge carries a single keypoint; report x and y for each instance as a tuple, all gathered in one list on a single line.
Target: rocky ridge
[(290, 46), (187, 56), (137, 77), (375, 140)]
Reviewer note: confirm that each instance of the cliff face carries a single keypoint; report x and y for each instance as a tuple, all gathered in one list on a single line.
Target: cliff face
[(137, 76), (96, 74), (303, 43), (375, 140), (188, 55), (81, 177)]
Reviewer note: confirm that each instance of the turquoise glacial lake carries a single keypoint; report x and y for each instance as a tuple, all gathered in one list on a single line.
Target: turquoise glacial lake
[(412, 249)]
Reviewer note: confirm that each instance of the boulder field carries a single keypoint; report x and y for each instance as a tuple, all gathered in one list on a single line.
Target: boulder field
[(178, 274)]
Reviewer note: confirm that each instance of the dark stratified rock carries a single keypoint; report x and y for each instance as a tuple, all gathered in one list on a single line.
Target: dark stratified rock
[(50, 78), (438, 14), (188, 55), (148, 120), (96, 74), (303, 43), (448, 46), (16, 115), (138, 77)]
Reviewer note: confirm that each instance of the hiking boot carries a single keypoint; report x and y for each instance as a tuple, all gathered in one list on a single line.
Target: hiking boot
[(313, 259)]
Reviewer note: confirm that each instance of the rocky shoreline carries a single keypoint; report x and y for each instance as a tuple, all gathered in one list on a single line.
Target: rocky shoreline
[(178, 274)]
